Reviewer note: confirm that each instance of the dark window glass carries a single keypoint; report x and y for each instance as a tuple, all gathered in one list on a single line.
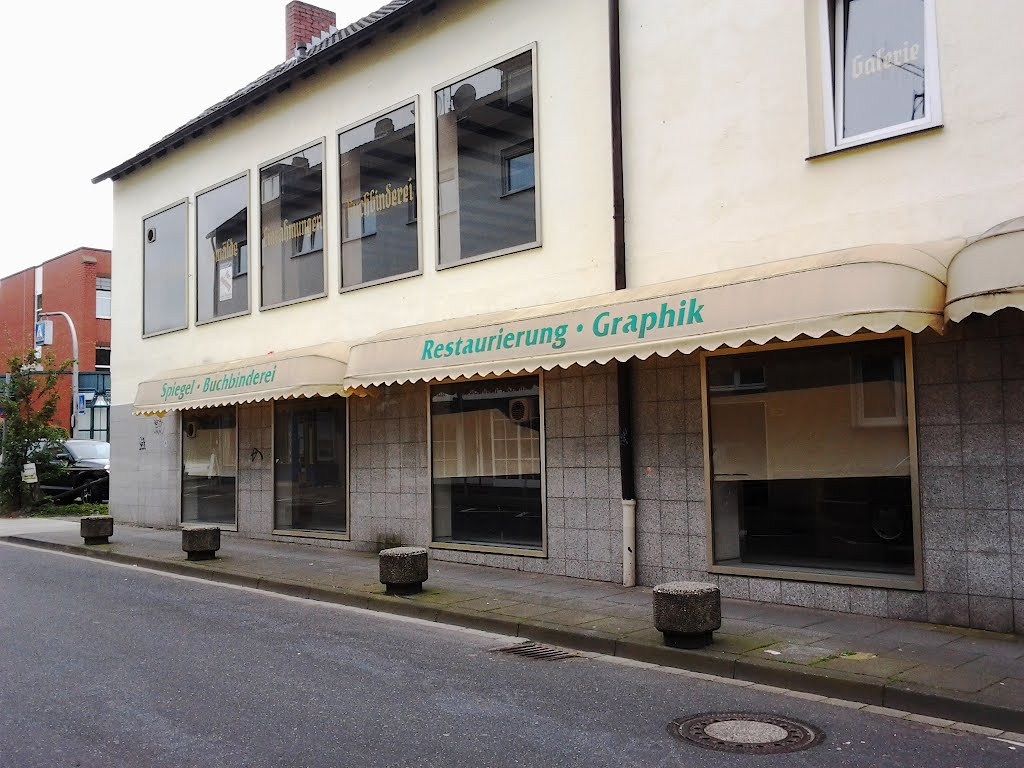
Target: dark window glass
[(292, 236), (485, 457), (209, 466), (378, 198), (309, 465), (222, 250), (164, 257), (102, 357), (485, 160), (811, 466), (883, 63)]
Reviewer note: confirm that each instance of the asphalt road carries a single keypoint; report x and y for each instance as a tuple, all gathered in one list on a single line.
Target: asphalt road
[(110, 666)]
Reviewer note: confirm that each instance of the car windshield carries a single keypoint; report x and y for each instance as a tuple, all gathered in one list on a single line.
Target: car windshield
[(88, 449)]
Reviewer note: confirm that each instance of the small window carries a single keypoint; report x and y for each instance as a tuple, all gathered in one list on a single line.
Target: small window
[(222, 251), (102, 358), (164, 270), (103, 298), (377, 160), (486, 164), (292, 228), (881, 76)]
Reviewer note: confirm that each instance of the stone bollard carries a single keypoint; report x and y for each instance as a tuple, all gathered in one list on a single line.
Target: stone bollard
[(97, 529), (403, 570), (200, 542), (687, 613)]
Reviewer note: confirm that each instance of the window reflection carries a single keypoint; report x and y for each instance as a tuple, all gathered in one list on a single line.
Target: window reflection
[(883, 64), (292, 232), (222, 250), (209, 466), (810, 458), (378, 198), (310, 468), (486, 169), (486, 462)]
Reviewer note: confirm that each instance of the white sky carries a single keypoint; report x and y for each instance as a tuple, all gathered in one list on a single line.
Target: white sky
[(87, 85)]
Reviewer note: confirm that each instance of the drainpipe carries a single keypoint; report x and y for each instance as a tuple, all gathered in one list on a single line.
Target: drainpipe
[(624, 370)]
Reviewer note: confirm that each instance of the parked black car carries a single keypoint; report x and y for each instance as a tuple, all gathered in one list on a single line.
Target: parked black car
[(84, 471)]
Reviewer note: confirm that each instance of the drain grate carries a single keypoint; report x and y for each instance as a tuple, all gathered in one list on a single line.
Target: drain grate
[(533, 650), (745, 732)]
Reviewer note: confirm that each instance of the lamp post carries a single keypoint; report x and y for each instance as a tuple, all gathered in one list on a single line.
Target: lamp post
[(74, 367)]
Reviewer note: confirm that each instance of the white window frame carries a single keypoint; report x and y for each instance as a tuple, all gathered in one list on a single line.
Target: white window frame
[(102, 367), (832, 81), (109, 292)]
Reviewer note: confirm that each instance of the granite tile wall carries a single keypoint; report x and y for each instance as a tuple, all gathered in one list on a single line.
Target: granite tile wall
[(145, 466)]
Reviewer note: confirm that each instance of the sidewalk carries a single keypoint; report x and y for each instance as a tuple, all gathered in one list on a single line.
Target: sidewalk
[(947, 672)]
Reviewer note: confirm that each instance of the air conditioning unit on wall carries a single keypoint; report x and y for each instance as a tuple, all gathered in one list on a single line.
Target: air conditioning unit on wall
[(520, 410)]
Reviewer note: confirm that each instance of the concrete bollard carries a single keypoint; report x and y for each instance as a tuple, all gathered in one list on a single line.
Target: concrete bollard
[(96, 529), (403, 570), (687, 613), (200, 542)]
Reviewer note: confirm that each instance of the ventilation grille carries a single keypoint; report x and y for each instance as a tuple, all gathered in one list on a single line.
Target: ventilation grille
[(536, 651)]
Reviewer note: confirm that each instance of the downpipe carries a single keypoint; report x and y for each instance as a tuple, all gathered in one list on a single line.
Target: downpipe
[(629, 542)]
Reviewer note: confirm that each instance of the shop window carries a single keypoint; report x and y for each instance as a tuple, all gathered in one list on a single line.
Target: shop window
[(102, 358), (102, 298), (164, 270), (880, 69), (380, 238), (222, 251), (486, 463), (292, 228), (310, 466), (486, 162), (810, 458), (209, 453)]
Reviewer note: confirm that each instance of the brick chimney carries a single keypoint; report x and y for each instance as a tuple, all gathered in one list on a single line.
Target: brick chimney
[(303, 22)]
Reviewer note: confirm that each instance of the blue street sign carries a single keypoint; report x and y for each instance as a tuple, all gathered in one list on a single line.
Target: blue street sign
[(44, 332), (81, 404)]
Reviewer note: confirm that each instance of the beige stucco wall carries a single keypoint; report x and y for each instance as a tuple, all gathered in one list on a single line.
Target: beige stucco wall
[(574, 180), (716, 131)]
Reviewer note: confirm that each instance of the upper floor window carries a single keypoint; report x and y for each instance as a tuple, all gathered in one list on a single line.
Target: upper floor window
[(379, 229), (102, 358), (103, 298), (881, 71), (164, 270), (222, 250), (486, 162), (292, 227)]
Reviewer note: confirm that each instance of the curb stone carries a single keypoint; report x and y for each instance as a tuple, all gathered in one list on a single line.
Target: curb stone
[(970, 715)]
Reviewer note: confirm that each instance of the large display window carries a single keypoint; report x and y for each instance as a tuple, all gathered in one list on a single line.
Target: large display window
[(486, 162), (486, 468), (379, 221), (164, 270), (310, 465), (292, 227), (209, 472), (222, 250), (811, 459)]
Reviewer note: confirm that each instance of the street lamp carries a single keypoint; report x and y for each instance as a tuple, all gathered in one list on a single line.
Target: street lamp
[(74, 366)]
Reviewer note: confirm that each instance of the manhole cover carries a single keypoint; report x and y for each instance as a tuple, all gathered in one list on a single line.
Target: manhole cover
[(750, 733)]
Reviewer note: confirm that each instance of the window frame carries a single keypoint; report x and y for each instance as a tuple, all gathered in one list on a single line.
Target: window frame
[(308, 534), (103, 367), (541, 552), (830, 16), (913, 582), (248, 272), (323, 226), (418, 212), (181, 471), (538, 241), (188, 246), (110, 293)]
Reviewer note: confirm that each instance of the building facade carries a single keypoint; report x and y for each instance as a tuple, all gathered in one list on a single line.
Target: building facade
[(79, 284), (733, 295)]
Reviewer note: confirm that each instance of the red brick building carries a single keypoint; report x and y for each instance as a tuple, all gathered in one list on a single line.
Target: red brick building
[(78, 283)]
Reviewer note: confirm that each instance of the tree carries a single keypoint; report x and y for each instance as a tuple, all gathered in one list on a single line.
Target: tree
[(28, 404)]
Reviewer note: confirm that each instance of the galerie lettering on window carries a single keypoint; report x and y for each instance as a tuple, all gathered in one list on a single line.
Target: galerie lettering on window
[(222, 251), (883, 79)]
